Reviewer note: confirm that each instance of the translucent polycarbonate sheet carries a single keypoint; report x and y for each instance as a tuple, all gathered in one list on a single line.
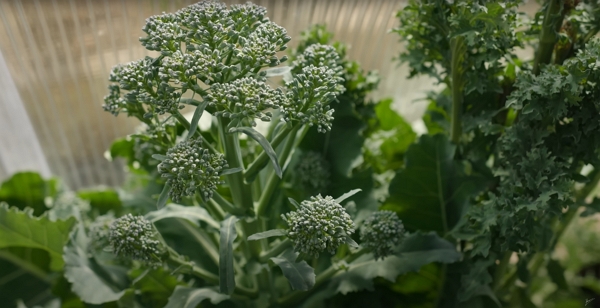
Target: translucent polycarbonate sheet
[(59, 54)]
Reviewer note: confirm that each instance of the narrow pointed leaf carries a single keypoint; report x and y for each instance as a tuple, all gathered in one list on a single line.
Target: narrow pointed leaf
[(159, 157), (186, 297), (226, 274), (351, 242), (347, 195), (300, 275), (294, 203), (22, 229), (278, 71), (191, 213), (164, 196), (231, 171), (264, 143), (196, 118), (266, 234)]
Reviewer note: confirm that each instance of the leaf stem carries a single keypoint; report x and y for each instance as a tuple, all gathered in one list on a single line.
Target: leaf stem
[(458, 47), (275, 251), (183, 121)]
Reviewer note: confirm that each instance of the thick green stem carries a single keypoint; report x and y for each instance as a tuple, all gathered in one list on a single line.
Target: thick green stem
[(458, 46), (275, 251), (551, 25), (240, 191), (273, 181)]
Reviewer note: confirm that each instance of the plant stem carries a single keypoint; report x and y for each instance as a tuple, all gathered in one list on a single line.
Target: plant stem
[(458, 46), (225, 205), (551, 25), (273, 181), (292, 298), (275, 251), (262, 159), (183, 121), (241, 193)]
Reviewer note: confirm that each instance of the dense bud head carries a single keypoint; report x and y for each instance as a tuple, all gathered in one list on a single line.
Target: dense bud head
[(313, 171), (320, 56), (381, 232), (245, 98), (318, 225), (189, 169), (310, 94), (134, 237)]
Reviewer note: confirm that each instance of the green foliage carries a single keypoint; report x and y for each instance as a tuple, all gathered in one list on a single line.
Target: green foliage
[(22, 229), (28, 190)]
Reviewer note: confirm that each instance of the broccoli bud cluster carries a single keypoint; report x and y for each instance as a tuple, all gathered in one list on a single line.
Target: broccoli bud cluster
[(134, 237), (313, 171), (245, 98), (318, 224), (189, 169), (381, 232)]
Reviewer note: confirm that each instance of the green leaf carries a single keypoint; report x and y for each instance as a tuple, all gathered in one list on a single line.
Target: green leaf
[(104, 200), (431, 193), (21, 229), (264, 143), (156, 284), (300, 275), (122, 147), (196, 118), (159, 157), (226, 274), (350, 242), (90, 281), (164, 196), (191, 213), (347, 195), (557, 274), (294, 203), (186, 297), (414, 252), (266, 234), (28, 190), (231, 171)]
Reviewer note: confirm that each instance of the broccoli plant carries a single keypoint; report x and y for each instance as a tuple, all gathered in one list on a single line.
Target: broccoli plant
[(239, 213)]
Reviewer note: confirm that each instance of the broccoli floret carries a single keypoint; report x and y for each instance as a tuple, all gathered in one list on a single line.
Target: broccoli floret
[(318, 224), (381, 232), (135, 238), (189, 169)]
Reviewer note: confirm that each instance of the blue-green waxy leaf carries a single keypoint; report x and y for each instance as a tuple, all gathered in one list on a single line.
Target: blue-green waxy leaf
[(266, 234), (191, 213), (432, 192), (22, 229), (347, 195), (196, 118), (226, 274), (414, 252), (264, 143), (93, 283), (300, 275), (187, 297), (159, 157), (231, 171), (164, 196)]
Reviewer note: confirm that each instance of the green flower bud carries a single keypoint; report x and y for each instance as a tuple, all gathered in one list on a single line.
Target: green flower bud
[(135, 238), (317, 225), (99, 232), (381, 232), (189, 169), (313, 171)]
